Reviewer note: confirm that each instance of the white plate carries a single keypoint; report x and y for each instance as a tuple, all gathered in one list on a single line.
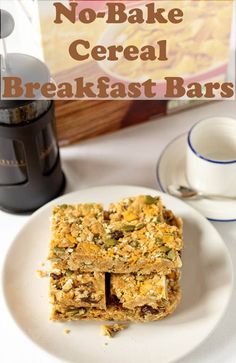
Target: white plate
[(206, 282), (171, 170)]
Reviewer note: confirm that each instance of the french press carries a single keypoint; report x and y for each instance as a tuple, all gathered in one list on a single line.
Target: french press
[(30, 167)]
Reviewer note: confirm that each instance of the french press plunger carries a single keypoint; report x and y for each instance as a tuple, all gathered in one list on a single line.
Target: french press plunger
[(30, 168)]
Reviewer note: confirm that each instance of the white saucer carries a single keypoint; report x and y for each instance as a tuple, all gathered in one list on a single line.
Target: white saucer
[(171, 170)]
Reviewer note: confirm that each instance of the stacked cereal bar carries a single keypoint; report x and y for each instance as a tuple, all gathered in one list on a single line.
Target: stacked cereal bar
[(119, 264)]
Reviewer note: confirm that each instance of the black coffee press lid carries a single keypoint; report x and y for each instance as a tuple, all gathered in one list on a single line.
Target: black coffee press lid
[(26, 67)]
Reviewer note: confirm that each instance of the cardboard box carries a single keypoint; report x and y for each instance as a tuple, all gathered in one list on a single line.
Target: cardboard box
[(82, 119)]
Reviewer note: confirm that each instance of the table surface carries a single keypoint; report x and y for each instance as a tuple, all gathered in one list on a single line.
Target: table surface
[(128, 156)]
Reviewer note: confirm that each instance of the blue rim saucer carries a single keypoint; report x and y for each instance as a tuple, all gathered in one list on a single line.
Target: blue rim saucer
[(171, 170)]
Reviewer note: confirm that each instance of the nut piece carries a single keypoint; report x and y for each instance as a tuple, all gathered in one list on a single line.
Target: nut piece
[(41, 274), (66, 331), (111, 330), (68, 285)]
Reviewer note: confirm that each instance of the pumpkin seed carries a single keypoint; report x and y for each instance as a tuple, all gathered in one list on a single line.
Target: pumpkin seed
[(58, 250), (150, 199), (80, 311), (128, 228), (69, 273), (140, 226), (109, 242), (164, 249), (171, 255)]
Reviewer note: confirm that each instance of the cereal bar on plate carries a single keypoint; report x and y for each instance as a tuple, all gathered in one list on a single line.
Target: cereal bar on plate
[(69, 288), (111, 242), (116, 311), (117, 264)]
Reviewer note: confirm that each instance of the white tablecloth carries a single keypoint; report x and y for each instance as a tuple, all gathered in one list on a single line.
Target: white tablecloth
[(125, 157)]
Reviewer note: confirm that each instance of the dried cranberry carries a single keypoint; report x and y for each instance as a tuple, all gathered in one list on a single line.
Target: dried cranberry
[(106, 215), (55, 276), (117, 235), (146, 309)]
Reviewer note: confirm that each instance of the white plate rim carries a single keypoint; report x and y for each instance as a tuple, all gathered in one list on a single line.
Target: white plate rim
[(141, 188)]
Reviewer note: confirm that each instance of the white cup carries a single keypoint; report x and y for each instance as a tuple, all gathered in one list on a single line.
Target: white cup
[(211, 156)]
